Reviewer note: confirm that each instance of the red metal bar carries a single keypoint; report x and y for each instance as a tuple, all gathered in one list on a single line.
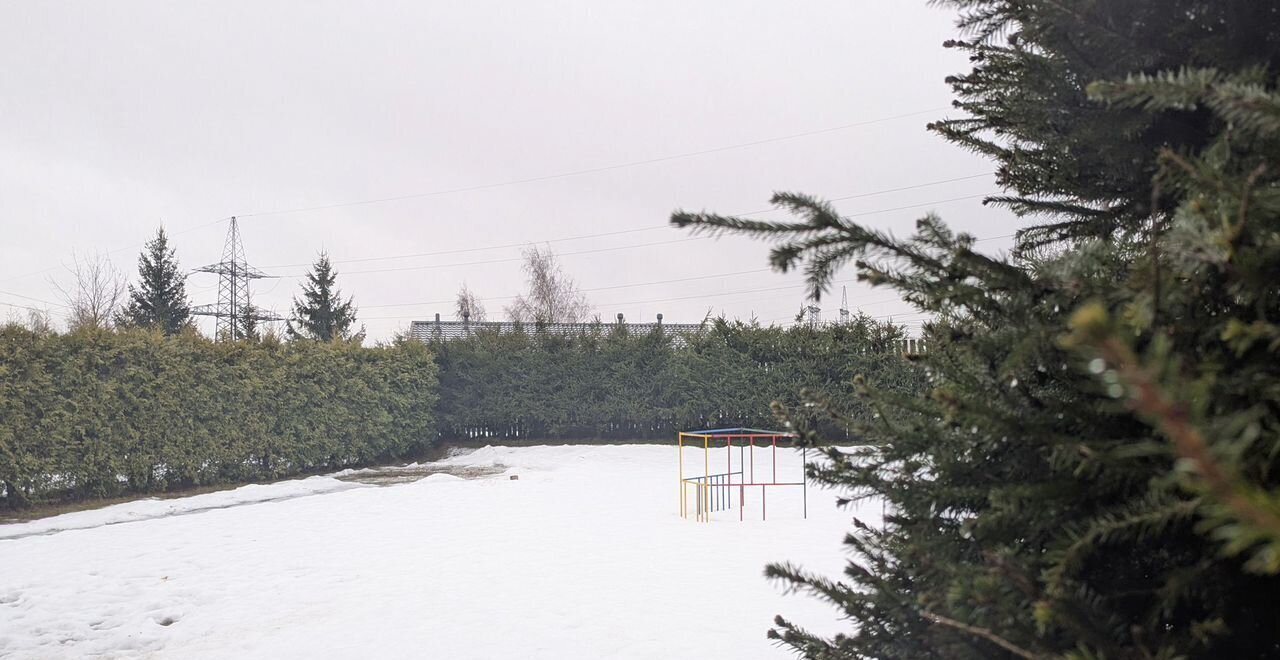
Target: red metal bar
[(740, 435), (728, 459), (697, 480), (804, 478)]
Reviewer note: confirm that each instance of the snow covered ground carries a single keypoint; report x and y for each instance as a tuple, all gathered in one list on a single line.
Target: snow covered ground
[(583, 556)]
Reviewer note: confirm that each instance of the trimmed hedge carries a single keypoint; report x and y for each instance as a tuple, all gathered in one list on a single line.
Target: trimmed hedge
[(100, 413), (610, 384), (106, 413)]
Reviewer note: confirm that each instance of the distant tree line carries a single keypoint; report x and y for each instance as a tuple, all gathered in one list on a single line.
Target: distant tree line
[(98, 297), (99, 413), (609, 383)]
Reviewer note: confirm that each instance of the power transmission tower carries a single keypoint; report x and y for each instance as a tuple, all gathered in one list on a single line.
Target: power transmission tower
[(844, 304), (813, 315), (234, 273)]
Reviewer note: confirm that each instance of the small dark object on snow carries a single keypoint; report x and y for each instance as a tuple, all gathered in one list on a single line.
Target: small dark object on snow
[(515, 477)]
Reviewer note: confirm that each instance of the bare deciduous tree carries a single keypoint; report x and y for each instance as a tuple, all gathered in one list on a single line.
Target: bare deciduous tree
[(38, 321), (32, 318), (553, 297), (468, 307), (95, 294)]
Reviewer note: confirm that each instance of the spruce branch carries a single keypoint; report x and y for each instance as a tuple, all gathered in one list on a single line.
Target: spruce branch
[(1246, 192), (1092, 329), (985, 633)]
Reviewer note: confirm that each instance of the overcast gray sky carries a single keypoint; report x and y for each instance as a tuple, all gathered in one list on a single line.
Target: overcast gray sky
[(118, 116)]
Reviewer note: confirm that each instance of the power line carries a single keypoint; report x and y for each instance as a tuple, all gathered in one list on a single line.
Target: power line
[(480, 249), (17, 306), (650, 283), (122, 249), (627, 231), (879, 211), (630, 247), (602, 234), (913, 187), (857, 306), (599, 288), (512, 259), (513, 182), (39, 300), (590, 170), (625, 247), (597, 250)]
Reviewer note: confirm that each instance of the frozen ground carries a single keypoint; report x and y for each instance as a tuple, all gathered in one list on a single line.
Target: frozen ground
[(584, 556)]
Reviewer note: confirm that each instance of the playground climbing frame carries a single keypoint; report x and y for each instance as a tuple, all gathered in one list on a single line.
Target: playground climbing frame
[(710, 492)]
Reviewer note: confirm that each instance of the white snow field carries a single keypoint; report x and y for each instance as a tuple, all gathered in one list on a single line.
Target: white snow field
[(583, 556)]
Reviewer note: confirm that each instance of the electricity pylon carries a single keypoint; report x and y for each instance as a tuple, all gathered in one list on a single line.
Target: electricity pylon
[(233, 311)]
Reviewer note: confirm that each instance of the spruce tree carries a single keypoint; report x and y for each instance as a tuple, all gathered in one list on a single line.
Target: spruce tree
[(321, 314), (160, 299), (249, 324), (1076, 167), (1094, 471)]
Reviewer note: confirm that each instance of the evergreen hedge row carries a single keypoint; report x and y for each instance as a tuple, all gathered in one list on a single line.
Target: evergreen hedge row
[(105, 413), (100, 413), (610, 384)]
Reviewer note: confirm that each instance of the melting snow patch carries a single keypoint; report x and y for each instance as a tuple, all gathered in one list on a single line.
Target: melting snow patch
[(149, 509)]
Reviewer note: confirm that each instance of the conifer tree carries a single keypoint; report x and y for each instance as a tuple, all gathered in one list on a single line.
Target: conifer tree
[(1081, 169), (321, 314), (1095, 471), (160, 299), (249, 324)]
